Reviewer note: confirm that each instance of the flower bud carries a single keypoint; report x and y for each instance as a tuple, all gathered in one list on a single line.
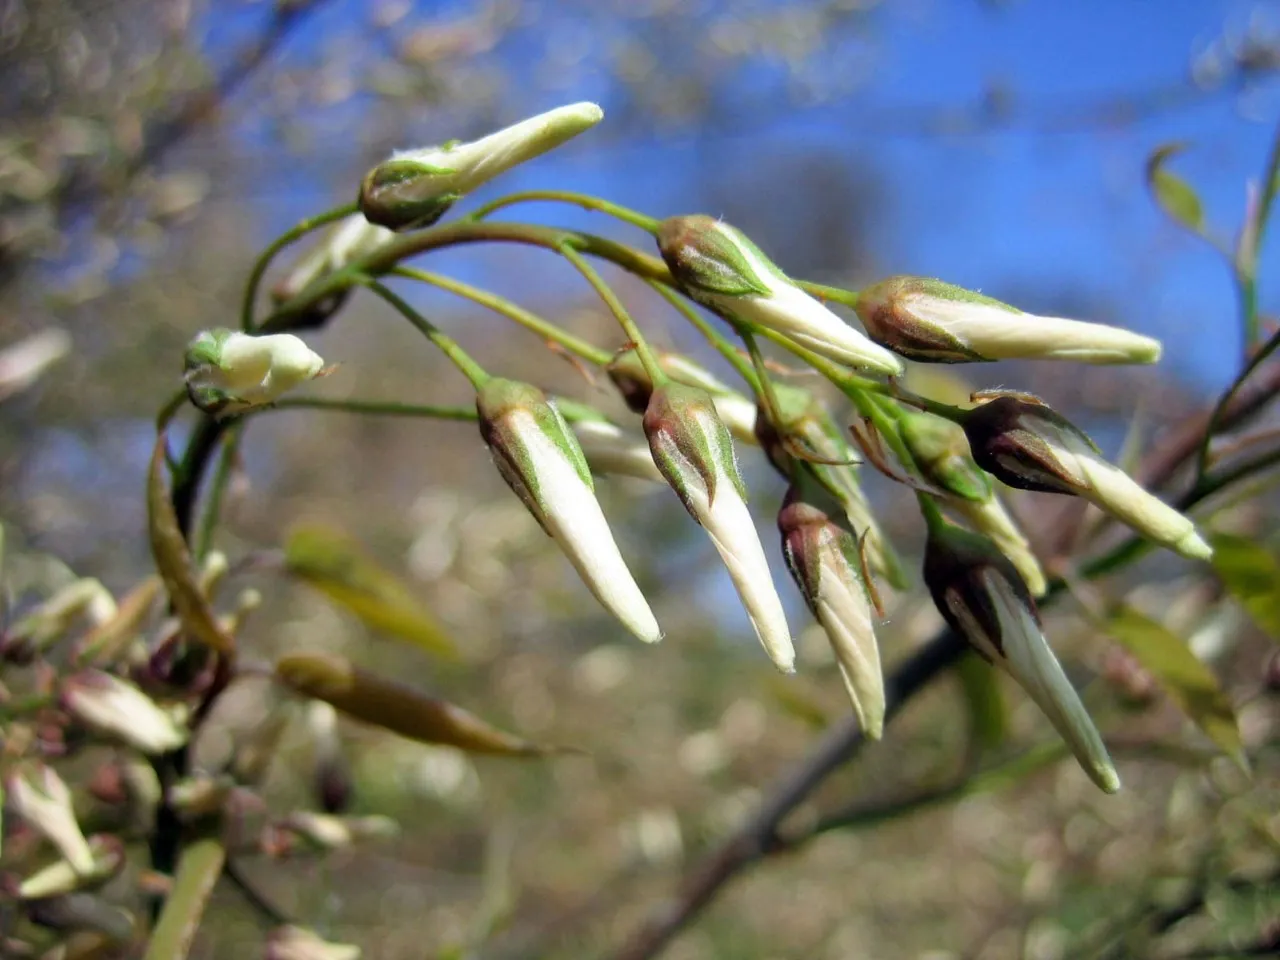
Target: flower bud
[(692, 448), (809, 424), (115, 708), (38, 795), (543, 463), (299, 943), (824, 561), (932, 321), (984, 600), (632, 380), (61, 877), (414, 188), (228, 372), (941, 454), (350, 239), (1026, 444), (716, 265), (611, 450)]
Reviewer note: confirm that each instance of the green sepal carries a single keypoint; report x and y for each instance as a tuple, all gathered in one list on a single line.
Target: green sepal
[(705, 256), (684, 414)]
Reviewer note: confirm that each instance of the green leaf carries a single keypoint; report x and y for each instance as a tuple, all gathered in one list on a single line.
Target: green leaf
[(173, 561), (1251, 574), (338, 567), (395, 707), (1188, 681), (988, 713), (1174, 195)]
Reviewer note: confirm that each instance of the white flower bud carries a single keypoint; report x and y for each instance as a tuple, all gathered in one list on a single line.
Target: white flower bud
[(692, 448), (115, 708), (228, 371), (982, 597), (929, 320), (348, 240), (40, 798), (720, 268), (1028, 445), (540, 458), (824, 561), (414, 188)]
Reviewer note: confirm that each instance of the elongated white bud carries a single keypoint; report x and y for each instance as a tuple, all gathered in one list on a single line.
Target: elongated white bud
[(719, 267), (414, 188), (1028, 445), (929, 320), (115, 708), (348, 240), (540, 458), (38, 795), (824, 561), (982, 597), (692, 448)]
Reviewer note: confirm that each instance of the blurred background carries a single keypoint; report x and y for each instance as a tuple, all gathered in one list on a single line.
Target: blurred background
[(149, 149)]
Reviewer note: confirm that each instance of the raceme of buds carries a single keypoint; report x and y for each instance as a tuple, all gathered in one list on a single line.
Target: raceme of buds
[(228, 371), (1026, 444), (299, 943), (824, 561), (38, 795), (632, 380), (692, 448), (983, 599), (716, 265), (540, 458), (414, 188), (941, 454), (611, 450), (117, 709), (810, 426), (932, 321)]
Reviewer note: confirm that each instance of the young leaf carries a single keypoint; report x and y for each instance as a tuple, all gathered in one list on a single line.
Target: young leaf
[(1190, 683), (1176, 197), (1251, 573), (174, 563), (395, 707), (338, 567), (988, 714)]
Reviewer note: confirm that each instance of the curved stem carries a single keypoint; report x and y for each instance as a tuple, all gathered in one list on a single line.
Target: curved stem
[(656, 374), (1202, 457), (260, 265), (448, 346), (203, 539), (381, 408), (584, 200), (512, 311)]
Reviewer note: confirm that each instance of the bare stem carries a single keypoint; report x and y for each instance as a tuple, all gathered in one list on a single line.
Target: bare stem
[(584, 200), (198, 871), (512, 311), (656, 374), (448, 346)]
